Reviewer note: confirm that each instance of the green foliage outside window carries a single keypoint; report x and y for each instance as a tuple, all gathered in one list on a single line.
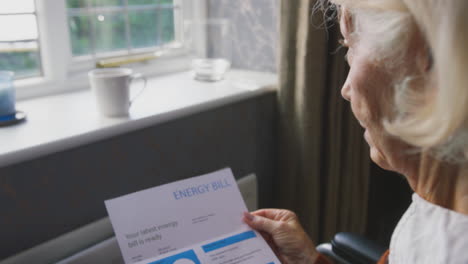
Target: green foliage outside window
[(80, 30), (23, 63), (94, 3), (103, 32)]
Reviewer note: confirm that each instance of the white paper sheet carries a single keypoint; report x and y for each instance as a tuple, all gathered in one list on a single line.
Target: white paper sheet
[(197, 220)]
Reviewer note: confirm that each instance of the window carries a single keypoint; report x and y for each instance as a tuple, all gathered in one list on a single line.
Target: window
[(100, 27), (58, 42), (19, 43)]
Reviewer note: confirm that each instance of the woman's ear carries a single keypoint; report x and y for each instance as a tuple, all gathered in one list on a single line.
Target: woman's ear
[(424, 56), (429, 60)]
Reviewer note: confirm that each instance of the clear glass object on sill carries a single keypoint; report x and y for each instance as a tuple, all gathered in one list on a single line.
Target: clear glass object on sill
[(209, 43)]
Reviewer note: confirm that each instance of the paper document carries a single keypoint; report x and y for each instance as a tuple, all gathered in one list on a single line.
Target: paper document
[(192, 221)]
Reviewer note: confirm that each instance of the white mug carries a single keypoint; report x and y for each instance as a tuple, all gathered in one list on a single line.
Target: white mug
[(111, 88)]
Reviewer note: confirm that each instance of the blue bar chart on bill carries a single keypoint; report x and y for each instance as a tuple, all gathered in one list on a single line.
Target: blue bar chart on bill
[(228, 241), (187, 257)]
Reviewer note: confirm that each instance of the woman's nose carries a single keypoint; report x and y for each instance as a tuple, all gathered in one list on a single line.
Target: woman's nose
[(346, 91)]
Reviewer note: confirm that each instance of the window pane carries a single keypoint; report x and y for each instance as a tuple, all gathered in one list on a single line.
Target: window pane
[(18, 27), (16, 6), (143, 2), (77, 3), (165, 2), (93, 3), (150, 2), (80, 32), (143, 28), (106, 25), (166, 18), (21, 57), (110, 32), (101, 3)]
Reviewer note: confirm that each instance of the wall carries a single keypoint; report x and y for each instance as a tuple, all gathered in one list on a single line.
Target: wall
[(255, 31), (46, 197)]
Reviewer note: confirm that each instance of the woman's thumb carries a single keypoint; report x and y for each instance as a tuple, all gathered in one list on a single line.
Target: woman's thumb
[(260, 223)]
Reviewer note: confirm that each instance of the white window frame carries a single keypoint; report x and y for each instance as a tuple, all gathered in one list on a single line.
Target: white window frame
[(63, 73)]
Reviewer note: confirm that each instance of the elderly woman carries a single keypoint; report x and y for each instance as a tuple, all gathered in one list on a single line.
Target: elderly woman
[(408, 87)]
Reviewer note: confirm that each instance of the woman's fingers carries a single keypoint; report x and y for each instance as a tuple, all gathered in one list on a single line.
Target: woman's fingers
[(268, 213), (260, 223), (283, 233)]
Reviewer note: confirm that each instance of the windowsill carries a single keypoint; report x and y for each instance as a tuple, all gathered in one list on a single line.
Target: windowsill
[(60, 122), (78, 78)]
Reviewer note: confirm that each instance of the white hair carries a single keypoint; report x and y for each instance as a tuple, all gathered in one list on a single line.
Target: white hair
[(434, 119)]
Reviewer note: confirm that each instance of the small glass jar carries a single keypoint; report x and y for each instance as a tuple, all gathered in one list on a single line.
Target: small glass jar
[(7, 94), (209, 43)]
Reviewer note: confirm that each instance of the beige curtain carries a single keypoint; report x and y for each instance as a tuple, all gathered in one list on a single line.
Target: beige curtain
[(323, 159)]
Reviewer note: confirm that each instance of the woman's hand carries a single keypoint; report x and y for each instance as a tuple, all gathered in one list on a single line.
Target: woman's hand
[(282, 230)]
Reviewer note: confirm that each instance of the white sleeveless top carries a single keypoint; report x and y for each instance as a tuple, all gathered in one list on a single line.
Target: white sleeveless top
[(430, 234)]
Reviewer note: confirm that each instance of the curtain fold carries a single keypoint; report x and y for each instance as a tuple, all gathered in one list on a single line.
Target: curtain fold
[(323, 159)]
